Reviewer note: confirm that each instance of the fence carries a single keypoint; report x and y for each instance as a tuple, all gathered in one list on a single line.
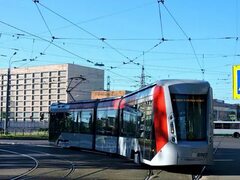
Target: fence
[(24, 127)]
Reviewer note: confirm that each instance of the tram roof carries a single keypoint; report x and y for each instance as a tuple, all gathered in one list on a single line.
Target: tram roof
[(159, 82)]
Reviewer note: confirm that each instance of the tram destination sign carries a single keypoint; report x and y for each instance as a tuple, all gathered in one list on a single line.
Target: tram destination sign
[(236, 82)]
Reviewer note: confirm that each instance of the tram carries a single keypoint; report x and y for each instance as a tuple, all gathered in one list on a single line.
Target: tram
[(163, 124)]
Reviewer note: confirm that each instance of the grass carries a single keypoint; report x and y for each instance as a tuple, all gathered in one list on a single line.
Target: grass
[(38, 135)]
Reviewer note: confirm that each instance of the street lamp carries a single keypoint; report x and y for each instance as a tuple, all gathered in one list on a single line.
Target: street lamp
[(8, 91)]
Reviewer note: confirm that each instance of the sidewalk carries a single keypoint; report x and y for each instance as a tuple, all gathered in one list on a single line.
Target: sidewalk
[(32, 142)]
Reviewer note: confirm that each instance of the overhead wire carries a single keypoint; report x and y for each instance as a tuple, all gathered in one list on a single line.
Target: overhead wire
[(236, 18), (145, 52), (36, 36), (109, 15), (236, 31), (207, 55), (160, 17), (140, 39), (86, 31), (44, 51), (23, 36), (98, 38), (33, 42), (35, 2), (150, 49), (185, 34), (226, 38), (120, 75), (45, 22)]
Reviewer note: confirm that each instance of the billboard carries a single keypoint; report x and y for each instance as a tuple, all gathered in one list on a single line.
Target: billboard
[(236, 82)]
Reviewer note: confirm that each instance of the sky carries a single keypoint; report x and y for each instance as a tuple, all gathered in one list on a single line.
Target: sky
[(172, 39)]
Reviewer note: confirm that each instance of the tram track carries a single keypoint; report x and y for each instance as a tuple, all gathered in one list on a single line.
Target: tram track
[(151, 175), (199, 176), (33, 168), (44, 165), (56, 163), (49, 167)]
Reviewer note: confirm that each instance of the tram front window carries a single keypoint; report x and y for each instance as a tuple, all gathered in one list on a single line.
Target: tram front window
[(190, 116)]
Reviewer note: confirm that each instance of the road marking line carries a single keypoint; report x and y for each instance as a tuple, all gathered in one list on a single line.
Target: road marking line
[(223, 160)]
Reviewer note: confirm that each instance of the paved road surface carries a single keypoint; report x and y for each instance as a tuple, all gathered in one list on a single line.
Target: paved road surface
[(226, 160), (39, 160)]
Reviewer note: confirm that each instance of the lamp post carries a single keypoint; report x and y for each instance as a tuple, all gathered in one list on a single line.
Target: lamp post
[(8, 92)]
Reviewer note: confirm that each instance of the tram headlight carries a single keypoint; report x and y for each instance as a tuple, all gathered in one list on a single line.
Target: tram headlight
[(172, 128), (173, 137)]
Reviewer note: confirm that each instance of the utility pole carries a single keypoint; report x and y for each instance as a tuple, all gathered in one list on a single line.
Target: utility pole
[(143, 76), (108, 86), (8, 95), (7, 102), (108, 83), (203, 69)]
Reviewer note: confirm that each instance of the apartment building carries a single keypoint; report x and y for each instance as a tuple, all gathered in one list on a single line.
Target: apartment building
[(225, 112), (33, 89)]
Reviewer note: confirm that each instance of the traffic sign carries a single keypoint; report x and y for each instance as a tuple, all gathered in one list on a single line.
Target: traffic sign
[(236, 82)]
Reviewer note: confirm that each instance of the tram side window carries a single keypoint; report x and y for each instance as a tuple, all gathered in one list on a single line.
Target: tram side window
[(76, 119), (56, 125), (130, 122), (69, 122), (86, 121), (146, 122), (106, 122), (137, 120), (146, 130), (73, 122)]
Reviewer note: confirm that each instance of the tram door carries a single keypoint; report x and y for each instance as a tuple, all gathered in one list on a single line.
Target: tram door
[(146, 130)]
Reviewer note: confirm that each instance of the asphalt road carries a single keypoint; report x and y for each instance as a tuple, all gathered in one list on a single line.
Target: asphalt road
[(39, 160), (226, 160)]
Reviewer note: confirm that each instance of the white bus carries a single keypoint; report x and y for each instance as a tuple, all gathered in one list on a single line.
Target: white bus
[(227, 128)]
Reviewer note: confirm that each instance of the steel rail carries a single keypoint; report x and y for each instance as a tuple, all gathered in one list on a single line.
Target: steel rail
[(71, 169), (199, 176), (24, 155)]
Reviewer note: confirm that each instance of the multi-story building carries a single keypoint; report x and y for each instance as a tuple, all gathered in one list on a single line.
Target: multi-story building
[(107, 94), (225, 112), (33, 89)]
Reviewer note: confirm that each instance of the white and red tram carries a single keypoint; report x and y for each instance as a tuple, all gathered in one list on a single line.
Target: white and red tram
[(167, 123)]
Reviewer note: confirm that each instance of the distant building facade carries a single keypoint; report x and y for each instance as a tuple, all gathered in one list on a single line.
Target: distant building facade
[(106, 94), (225, 112), (33, 89)]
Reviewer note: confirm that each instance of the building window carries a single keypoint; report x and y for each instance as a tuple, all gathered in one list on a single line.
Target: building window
[(45, 74), (20, 76), (28, 75), (36, 75), (54, 73), (62, 73)]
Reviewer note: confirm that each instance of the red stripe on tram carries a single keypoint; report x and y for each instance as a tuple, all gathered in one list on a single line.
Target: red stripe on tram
[(160, 118)]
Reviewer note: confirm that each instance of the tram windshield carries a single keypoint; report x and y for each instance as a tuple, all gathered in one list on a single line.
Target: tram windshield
[(190, 116)]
